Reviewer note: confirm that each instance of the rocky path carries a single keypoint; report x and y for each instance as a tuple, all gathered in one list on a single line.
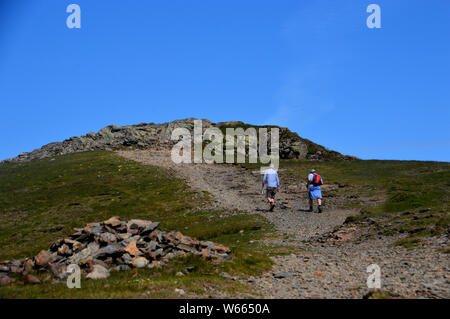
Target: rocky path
[(233, 187), (333, 265), (338, 269)]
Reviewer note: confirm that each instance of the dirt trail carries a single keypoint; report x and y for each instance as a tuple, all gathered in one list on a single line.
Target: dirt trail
[(327, 268), (234, 187)]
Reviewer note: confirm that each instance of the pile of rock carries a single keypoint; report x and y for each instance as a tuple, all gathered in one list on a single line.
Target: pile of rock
[(112, 245)]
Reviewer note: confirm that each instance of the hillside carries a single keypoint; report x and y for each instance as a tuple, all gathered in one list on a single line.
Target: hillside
[(392, 213), (43, 200), (150, 135)]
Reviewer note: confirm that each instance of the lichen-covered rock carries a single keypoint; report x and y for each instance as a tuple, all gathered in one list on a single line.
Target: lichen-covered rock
[(150, 135)]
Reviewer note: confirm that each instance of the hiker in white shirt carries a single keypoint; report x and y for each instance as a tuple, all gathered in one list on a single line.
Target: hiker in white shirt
[(273, 185)]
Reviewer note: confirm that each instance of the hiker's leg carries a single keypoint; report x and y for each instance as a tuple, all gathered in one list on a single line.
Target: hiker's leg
[(319, 201), (310, 204), (272, 204)]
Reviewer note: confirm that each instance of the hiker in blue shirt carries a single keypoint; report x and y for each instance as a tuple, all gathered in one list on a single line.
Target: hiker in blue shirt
[(273, 185), (313, 182)]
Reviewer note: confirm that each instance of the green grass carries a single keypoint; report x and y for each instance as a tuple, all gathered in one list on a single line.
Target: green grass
[(43, 200), (397, 194), (137, 283), (382, 295)]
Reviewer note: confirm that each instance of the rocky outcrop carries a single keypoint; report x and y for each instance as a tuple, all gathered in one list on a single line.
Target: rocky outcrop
[(150, 135)]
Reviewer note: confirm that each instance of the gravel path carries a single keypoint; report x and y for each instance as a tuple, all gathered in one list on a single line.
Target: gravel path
[(339, 270), (234, 187), (333, 265)]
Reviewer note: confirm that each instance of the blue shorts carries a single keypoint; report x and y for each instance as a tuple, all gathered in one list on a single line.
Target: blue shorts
[(315, 192)]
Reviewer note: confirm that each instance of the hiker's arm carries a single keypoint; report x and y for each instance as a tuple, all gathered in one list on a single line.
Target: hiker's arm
[(278, 184)]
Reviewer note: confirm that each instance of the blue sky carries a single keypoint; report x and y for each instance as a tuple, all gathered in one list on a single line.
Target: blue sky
[(312, 66)]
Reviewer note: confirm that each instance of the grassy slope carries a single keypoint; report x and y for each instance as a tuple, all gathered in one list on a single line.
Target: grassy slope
[(396, 193), (43, 200)]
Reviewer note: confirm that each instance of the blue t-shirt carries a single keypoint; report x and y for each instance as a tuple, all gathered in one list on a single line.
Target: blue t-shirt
[(271, 178)]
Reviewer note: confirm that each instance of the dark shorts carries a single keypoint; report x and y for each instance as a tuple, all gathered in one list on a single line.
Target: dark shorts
[(271, 192)]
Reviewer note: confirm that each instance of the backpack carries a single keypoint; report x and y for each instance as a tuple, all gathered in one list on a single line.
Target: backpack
[(317, 180)]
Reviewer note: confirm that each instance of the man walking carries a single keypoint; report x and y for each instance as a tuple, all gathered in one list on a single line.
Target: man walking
[(313, 182), (273, 185)]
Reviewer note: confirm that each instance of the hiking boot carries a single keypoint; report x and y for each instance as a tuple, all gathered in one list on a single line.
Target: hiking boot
[(272, 206), (310, 209), (319, 209)]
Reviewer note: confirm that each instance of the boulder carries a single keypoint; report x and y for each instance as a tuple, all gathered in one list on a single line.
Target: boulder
[(89, 227), (139, 262), (4, 268), (149, 228), (220, 248), (43, 258), (58, 270), (124, 236), (107, 238), (132, 249), (28, 266), (127, 259), (64, 250), (84, 255), (5, 280), (77, 246), (108, 251), (138, 223), (30, 280), (113, 221), (98, 272)]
